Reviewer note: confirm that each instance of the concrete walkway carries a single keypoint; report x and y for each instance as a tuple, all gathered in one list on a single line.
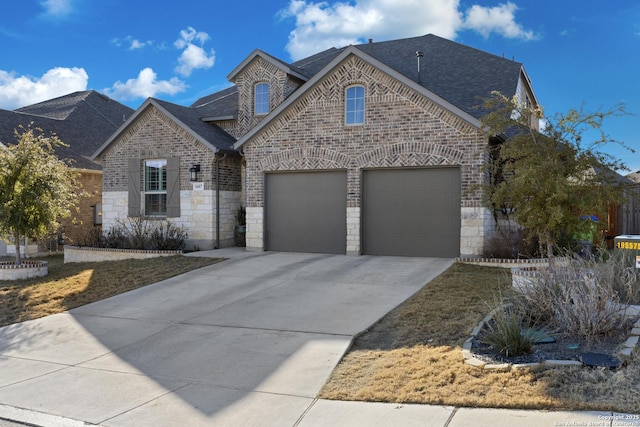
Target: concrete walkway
[(249, 342)]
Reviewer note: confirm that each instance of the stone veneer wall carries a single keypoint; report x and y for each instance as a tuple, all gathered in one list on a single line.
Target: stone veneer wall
[(402, 129), (153, 135)]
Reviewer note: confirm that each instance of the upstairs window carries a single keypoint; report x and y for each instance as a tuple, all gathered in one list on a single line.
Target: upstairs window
[(261, 104), (354, 108), (155, 187)]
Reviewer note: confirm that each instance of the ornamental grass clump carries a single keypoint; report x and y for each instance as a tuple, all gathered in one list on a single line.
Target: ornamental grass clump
[(509, 334)]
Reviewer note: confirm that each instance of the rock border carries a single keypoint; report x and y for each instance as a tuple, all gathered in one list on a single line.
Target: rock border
[(470, 359), (91, 254)]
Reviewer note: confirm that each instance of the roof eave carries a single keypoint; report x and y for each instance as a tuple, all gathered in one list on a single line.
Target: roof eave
[(352, 50)]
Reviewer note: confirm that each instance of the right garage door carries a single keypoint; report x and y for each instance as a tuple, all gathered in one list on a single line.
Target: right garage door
[(411, 212)]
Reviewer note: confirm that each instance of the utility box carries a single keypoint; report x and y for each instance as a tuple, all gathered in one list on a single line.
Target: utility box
[(629, 247)]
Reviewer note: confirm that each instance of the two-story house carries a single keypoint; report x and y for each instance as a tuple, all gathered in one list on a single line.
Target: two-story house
[(368, 149)]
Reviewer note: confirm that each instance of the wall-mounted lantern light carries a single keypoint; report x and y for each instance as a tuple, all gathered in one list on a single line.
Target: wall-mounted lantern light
[(193, 170)]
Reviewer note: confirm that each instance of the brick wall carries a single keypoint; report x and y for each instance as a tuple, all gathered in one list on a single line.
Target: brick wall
[(153, 135), (81, 222), (402, 129), (280, 87)]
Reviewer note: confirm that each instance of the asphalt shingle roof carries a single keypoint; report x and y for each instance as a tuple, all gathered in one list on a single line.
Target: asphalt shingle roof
[(462, 75), (82, 120), (219, 104), (191, 117)]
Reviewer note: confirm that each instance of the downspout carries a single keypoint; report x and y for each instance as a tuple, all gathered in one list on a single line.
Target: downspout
[(218, 160)]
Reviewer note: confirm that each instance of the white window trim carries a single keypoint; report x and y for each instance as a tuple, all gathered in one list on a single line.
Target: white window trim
[(145, 192), (346, 103), (255, 99)]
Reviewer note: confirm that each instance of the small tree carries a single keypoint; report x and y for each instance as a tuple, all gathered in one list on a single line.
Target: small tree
[(37, 189), (549, 178)]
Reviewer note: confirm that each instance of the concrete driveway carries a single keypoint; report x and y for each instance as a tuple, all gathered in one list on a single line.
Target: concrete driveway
[(249, 341)]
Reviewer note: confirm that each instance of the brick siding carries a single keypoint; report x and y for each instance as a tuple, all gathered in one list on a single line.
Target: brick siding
[(153, 135), (402, 129)]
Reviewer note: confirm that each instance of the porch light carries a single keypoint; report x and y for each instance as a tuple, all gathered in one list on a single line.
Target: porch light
[(193, 170)]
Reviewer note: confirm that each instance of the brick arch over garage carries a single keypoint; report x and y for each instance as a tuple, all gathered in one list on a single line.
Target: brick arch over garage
[(308, 158), (407, 154)]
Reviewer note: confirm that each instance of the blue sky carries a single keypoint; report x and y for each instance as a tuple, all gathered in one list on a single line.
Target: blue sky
[(577, 52)]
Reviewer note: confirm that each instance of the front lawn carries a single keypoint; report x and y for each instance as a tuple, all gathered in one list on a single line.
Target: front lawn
[(413, 355), (74, 284)]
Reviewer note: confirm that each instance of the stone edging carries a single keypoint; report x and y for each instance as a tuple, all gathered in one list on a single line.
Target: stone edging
[(11, 265), (27, 270), (470, 359), (146, 251), (91, 254), (503, 262)]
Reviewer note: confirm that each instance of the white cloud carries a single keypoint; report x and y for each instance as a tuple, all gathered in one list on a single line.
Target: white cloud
[(499, 19), (57, 7), (193, 57), (131, 43), (144, 86), (19, 91), (321, 25)]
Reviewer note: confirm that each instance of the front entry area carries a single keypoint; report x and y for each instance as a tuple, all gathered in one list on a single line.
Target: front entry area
[(306, 212)]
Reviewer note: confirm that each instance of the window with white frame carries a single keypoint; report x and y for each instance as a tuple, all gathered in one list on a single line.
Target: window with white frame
[(155, 187), (354, 106), (261, 102)]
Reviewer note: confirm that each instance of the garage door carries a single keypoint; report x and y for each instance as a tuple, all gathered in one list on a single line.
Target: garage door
[(306, 212), (411, 212)]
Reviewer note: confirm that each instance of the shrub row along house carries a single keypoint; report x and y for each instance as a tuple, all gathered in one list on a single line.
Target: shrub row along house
[(368, 149), (83, 121)]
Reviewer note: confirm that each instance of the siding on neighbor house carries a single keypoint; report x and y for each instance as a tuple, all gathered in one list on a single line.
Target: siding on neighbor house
[(402, 129), (153, 135), (82, 221)]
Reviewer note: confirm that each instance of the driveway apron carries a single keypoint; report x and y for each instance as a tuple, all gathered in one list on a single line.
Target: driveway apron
[(248, 341)]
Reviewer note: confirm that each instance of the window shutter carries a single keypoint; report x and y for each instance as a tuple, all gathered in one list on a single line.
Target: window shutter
[(173, 187), (134, 173)]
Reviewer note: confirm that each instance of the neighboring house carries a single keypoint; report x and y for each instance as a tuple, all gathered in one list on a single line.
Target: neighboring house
[(368, 149), (83, 121)]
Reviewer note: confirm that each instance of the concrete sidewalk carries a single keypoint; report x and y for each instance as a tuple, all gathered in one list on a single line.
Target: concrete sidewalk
[(249, 341)]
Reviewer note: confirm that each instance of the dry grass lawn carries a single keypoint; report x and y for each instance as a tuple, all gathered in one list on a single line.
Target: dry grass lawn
[(71, 285), (413, 356)]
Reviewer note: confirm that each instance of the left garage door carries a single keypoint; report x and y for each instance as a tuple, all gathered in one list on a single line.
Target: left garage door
[(306, 212)]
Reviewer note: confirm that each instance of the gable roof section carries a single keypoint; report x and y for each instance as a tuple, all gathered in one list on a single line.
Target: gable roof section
[(187, 118), (257, 53), (82, 120), (335, 61)]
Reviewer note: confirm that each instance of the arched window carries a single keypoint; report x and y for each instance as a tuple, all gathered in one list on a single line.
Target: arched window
[(354, 108), (261, 104)]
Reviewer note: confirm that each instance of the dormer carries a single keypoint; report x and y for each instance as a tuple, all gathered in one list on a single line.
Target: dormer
[(263, 83)]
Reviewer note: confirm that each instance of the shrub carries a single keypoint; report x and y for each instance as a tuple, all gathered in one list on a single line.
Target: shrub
[(509, 334), (91, 237), (168, 236), (583, 297), (116, 237), (143, 233)]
